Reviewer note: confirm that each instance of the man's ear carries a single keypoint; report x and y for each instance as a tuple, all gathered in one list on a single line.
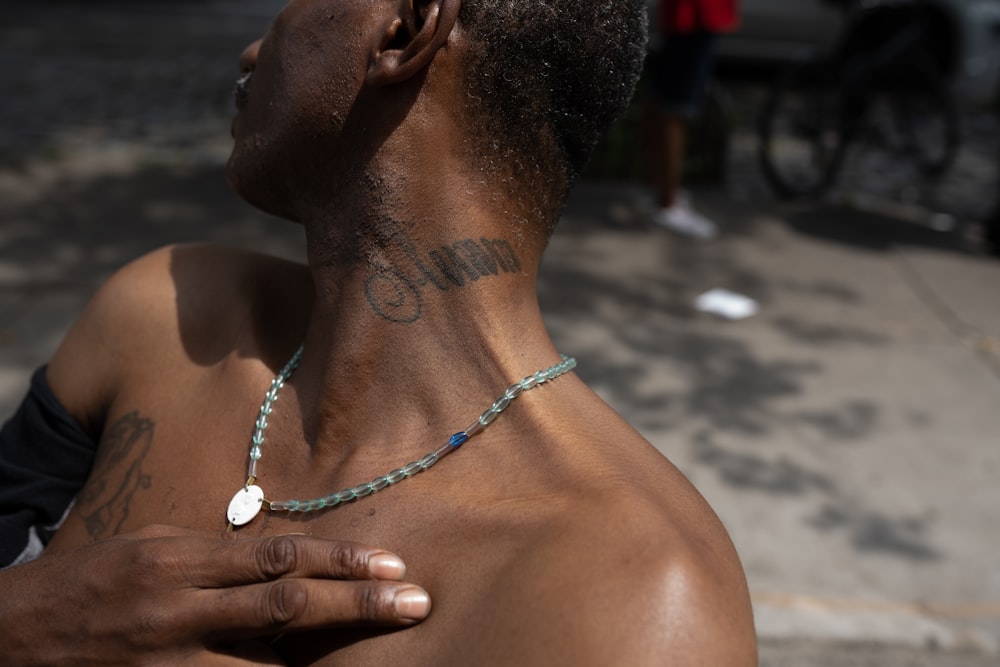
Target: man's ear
[(411, 39)]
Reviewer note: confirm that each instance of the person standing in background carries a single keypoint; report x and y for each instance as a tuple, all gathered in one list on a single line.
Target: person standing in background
[(679, 67)]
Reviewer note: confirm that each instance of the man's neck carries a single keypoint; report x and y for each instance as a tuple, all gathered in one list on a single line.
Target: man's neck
[(416, 326)]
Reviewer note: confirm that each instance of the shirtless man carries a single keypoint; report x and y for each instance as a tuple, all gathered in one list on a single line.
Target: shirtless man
[(426, 147)]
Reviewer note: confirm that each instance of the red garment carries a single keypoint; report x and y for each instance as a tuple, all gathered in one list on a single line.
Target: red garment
[(684, 16)]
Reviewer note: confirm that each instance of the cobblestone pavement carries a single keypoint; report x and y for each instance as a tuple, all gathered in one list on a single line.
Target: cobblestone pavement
[(114, 131)]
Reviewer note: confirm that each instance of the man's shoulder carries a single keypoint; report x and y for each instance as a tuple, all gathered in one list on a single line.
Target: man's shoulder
[(210, 269), (175, 305), (222, 293), (631, 582), (188, 290), (629, 558)]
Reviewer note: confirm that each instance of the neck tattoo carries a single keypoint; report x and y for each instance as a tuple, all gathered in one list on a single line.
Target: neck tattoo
[(249, 500)]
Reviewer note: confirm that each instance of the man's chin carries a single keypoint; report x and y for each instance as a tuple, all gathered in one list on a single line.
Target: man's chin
[(263, 199)]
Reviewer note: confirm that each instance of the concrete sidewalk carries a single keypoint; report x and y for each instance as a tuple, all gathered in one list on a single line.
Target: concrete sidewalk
[(847, 435)]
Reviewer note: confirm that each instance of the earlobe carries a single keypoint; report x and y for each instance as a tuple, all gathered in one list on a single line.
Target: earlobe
[(411, 40)]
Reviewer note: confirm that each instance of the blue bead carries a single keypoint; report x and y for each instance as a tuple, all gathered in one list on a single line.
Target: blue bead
[(458, 440)]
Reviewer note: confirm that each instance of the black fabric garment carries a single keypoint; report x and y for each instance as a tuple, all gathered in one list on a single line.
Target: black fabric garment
[(45, 457)]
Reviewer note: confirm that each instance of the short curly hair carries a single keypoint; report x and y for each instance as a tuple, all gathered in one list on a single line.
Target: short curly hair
[(545, 80)]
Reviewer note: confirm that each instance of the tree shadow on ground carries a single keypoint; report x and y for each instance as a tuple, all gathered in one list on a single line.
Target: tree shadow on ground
[(875, 231), (867, 530)]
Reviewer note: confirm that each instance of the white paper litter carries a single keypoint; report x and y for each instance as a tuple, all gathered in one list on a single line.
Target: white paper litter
[(729, 305)]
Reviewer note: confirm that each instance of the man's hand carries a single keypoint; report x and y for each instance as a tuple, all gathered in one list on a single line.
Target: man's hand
[(168, 596)]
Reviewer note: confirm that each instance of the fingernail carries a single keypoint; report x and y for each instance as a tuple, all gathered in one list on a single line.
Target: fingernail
[(387, 567), (412, 603)]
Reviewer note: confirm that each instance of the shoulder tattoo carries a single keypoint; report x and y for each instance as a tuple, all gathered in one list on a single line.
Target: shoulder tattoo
[(117, 475)]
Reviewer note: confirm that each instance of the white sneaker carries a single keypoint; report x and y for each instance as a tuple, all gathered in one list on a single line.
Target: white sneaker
[(680, 218)]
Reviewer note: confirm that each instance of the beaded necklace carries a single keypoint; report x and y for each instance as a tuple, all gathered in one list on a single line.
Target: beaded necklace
[(249, 500)]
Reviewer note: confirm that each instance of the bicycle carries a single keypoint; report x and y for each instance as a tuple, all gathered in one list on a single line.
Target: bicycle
[(882, 86)]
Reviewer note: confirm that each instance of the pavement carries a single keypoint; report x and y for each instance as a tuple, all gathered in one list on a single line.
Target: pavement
[(847, 434)]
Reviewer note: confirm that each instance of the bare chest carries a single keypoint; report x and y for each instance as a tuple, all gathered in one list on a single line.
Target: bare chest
[(179, 463)]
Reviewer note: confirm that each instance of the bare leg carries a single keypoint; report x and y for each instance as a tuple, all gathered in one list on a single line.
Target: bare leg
[(671, 141), (666, 138)]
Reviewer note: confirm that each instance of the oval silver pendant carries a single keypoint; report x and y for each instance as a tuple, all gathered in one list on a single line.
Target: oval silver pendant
[(245, 505)]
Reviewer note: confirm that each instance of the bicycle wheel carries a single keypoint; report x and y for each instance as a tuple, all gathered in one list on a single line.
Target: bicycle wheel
[(927, 117), (804, 130)]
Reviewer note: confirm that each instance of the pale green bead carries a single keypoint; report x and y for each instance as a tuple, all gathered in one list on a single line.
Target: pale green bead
[(347, 495)]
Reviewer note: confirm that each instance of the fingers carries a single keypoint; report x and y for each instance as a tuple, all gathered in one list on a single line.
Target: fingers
[(248, 588), (306, 604), (376, 603), (269, 558), (214, 563)]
